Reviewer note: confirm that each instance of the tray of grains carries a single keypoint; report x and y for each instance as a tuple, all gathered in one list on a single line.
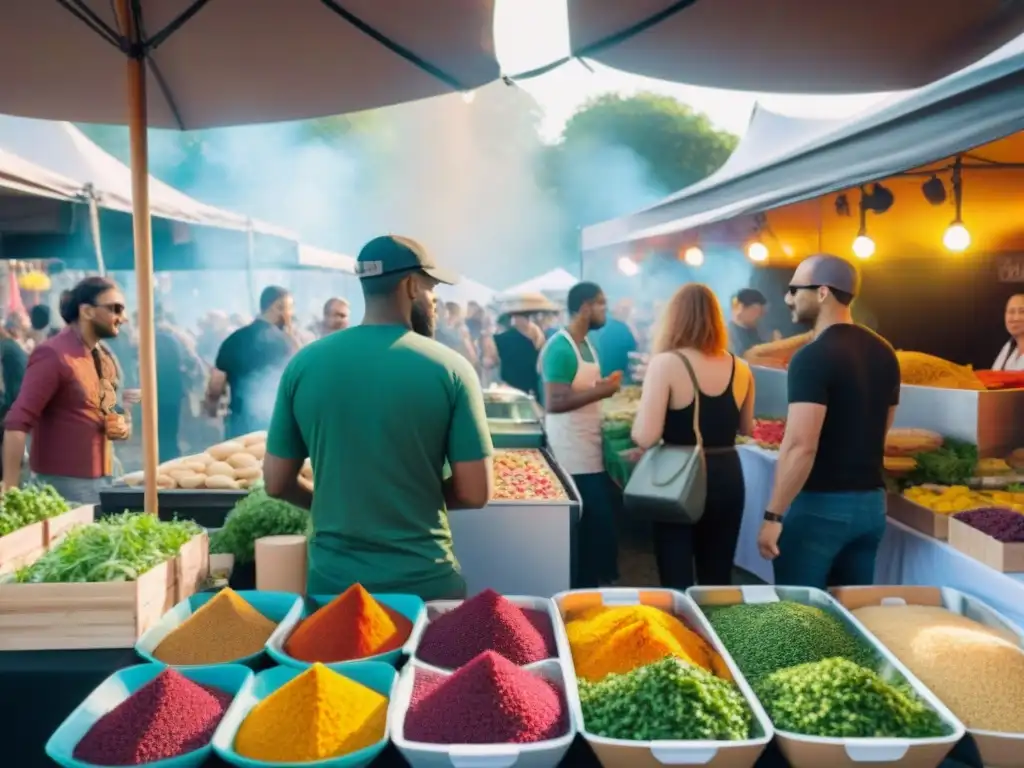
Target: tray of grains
[(969, 655), (835, 695), (653, 686), (488, 712), (522, 629), (149, 713)]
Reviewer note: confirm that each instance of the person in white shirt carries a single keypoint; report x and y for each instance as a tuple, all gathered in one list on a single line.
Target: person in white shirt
[(1011, 356)]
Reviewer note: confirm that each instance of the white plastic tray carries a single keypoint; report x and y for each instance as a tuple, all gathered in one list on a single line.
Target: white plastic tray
[(803, 750), (540, 754), (437, 607), (667, 752)]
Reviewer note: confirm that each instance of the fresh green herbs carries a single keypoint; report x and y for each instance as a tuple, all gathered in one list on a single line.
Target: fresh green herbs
[(256, 516), (118, 548), (24, 506), (952, 464)]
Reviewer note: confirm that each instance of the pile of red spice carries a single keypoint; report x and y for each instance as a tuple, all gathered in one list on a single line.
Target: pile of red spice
[(167, 717), (488, 701), (352, 626), (487, 622)]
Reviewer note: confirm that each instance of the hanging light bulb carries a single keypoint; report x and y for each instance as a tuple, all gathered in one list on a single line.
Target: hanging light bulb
[(694, 256), (757, 251), (863, 246), (628, 267), (468, 96), (957, 239)]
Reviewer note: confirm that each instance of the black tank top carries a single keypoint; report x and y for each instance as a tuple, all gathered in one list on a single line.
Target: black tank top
[(719, 419)]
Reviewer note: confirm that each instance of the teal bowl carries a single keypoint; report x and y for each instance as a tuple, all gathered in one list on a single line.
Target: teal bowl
[(231, 678), (373, 674), (276, 606), (410, 606)]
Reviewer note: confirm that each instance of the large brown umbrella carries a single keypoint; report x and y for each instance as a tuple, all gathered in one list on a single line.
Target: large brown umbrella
[(793, 46), (204, 63)]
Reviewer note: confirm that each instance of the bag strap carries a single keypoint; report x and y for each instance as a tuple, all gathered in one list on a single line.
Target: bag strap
[(696, 398)]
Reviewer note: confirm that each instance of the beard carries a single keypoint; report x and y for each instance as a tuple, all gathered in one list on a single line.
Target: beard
[(104, 331), (422, 320), (806, 316), (596, 325)]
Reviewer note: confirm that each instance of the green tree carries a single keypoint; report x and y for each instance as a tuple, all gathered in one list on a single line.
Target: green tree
[(620, 153)]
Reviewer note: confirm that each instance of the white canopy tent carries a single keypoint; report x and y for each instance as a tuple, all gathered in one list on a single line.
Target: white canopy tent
[(973, 107), (465, 291), (557, 281)]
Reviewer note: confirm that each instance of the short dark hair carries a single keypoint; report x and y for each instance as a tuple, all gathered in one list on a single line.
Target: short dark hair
[(382, 285), (580, 294), (86, 291), (843, 297), (750, 297), (271, 295), (39, 315), (335, 300)]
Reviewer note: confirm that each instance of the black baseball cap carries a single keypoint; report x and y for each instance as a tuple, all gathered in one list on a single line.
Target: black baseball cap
[(391, 254)]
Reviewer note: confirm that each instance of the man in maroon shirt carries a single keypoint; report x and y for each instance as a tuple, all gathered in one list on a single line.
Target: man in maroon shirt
[(68, 399)]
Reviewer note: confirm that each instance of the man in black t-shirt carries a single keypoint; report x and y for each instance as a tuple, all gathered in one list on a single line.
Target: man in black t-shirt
[(844, 387), (250, 363)]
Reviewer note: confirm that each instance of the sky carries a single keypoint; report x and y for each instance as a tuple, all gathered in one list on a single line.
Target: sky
[(531, 33)]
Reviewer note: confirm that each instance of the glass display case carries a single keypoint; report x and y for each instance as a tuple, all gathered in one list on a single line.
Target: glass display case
[(514, 418)]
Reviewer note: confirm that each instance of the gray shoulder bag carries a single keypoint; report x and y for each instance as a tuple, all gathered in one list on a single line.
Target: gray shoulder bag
[(669, 483)]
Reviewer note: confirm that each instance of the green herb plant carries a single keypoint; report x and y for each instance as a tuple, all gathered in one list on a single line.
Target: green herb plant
[(24, 506), (669, 699), (952, 464), (117, 548), (836, 698), (253, 517)]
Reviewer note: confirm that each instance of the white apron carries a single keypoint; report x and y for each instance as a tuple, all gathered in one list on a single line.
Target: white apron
[(1009, 358), (575, 436)]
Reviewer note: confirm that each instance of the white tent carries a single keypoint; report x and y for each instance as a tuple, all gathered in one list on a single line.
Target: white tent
[(973, 107), (556, 281), (465, 291)]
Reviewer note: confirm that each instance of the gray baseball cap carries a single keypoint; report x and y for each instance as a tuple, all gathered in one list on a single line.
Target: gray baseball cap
[(391, 254), (831, 272)]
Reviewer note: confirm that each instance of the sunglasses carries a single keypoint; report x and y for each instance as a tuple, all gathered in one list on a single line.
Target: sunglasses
[(795, 289), (115, 308)]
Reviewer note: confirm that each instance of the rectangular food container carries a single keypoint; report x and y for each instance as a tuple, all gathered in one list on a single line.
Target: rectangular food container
[(622, 753), (1005, 750), (273, 605), (410, 606), (917, 517), (230, 678), (378, 677), (22, 547), (804, 751), (540, 754), (58, 526), (1002, 556), (435, 608)]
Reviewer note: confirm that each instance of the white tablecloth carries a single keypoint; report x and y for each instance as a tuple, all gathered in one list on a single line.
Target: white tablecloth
[(905, 557)]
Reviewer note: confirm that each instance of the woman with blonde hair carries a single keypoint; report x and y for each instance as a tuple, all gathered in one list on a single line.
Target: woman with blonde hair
[(691, 345)]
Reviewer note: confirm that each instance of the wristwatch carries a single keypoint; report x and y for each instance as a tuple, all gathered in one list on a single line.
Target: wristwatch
[(771, 517)]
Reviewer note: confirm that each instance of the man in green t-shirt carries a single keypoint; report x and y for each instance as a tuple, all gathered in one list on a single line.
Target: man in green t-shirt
[(380, 409), (573, 391)]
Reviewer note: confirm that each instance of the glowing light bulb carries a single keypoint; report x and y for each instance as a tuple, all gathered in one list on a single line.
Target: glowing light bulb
[(694, 256), (787, 249), (757, 251), (863, 247), (957, 238), (628, 267), (468, 96)]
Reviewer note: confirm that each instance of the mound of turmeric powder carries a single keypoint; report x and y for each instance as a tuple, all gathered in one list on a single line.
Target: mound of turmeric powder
[(619, 639)]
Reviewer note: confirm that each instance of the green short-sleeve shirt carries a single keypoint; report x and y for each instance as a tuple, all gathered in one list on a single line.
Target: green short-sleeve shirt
[(559, 363), (379, 409)]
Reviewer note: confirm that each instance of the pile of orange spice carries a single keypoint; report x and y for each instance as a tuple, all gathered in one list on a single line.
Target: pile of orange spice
[(352, 626)]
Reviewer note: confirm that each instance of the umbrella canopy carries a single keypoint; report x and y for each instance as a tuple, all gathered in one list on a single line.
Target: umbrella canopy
[(793, 46), (232, 62), (555, 281)]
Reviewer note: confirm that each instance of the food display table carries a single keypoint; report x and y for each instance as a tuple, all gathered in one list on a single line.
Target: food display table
[(905, 557), (208, 508)]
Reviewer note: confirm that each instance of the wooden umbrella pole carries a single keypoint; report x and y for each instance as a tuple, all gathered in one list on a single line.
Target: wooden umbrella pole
[(137, 122)]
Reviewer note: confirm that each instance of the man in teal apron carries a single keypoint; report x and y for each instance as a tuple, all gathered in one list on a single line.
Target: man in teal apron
[(573, 391)]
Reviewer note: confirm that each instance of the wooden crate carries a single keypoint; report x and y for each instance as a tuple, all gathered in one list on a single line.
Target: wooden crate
[(41, 617), (1003, 557), (192, 567), (57, 527), (22, 547), (917, 517)]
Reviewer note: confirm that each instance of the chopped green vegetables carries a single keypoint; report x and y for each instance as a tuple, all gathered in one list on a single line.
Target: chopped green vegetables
[(836, 698), (952, 464), (256, 516), (764, 637), (119, 548), (669, 699), (23, 506)]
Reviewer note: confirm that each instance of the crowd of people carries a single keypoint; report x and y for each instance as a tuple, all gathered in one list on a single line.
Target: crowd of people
[(391, 413)]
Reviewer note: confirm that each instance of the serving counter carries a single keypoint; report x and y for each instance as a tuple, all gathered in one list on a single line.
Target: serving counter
[(514, 418)]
